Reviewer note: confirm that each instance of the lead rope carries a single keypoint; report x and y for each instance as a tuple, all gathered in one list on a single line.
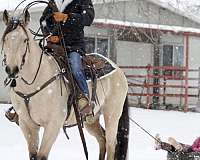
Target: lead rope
[(147, 133)]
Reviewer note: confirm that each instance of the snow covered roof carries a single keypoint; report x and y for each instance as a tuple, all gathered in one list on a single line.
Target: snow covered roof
[(11, 4), (178, 11), (161, 3), (117, 23)]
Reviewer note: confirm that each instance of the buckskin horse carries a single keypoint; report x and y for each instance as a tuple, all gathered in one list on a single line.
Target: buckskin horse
[(41, 104)]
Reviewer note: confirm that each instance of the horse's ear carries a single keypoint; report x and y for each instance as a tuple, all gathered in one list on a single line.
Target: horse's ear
[(6, 17), (26, 17)]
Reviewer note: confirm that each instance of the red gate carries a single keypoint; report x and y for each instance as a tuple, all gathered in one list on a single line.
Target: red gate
[(149, 76)]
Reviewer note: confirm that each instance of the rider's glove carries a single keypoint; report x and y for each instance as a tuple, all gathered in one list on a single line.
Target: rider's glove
[(53, 39), (60, 17)]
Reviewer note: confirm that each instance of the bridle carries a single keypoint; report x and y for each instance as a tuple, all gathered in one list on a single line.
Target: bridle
[(26, 97), (13, 24)]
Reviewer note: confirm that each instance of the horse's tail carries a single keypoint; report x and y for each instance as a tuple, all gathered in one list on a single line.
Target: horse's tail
[(123, 134)]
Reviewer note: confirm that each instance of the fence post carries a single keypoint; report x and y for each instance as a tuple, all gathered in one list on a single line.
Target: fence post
[(198, 100), (164, 91), (147, 85), (186, 71)]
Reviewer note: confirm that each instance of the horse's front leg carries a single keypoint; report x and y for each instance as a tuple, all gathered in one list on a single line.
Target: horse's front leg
[(31, 133), (98, 132), (33, 157), (49, 136)]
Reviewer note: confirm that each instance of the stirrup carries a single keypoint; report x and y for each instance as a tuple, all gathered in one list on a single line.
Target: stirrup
[(83, 101), (88, 117), (85, 108)]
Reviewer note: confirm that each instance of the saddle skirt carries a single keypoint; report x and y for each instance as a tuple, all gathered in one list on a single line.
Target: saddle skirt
[(96, 64)]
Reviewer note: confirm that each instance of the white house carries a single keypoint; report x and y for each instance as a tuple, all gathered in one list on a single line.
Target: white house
[(138, 33)]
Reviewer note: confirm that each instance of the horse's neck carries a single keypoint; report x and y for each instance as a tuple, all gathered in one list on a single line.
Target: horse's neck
[(32, 61)]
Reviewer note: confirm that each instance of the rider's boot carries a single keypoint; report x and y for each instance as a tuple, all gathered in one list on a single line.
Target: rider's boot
[(12, 116), (85, 106)]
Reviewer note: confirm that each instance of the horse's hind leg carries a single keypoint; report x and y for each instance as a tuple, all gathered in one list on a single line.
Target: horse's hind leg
[(31, 133), (111, 133), (98, 132), (112, 113), (49, 136)]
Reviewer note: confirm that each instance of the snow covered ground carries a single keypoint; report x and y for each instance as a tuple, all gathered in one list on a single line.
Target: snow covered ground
[(183, 126)]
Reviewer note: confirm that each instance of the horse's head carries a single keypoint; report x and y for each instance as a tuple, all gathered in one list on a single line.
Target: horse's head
[(15, 42)]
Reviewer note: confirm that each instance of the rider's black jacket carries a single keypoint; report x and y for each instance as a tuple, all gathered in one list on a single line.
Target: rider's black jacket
[(80, 12)]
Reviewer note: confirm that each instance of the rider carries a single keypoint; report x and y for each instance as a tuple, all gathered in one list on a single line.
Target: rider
[(72, 16)]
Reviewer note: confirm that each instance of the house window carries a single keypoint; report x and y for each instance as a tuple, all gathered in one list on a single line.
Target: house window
[(102, 46), (172, 56), (89, 45), (97, 44)]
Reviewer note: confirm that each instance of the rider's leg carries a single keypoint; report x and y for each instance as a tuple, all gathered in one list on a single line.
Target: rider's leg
[(77, 70)]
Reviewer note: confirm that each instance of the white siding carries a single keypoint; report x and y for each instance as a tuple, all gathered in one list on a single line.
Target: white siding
[(134, 54), (194, 63), (194, 52)]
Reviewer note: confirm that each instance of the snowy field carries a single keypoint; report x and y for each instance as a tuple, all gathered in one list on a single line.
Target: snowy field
[(183, 126)]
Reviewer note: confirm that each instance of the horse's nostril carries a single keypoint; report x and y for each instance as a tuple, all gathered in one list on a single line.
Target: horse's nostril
[(12, 71), (15, 70), (8, 70)]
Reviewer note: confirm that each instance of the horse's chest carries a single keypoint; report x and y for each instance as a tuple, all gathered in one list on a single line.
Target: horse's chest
[(43, 108)]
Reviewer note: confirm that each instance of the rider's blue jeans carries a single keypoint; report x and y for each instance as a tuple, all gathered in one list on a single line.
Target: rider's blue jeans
[(77, 71)]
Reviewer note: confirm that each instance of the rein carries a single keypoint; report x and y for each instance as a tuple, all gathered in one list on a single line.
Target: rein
[(13, 24), (25, 53), (72, 84), (36, 74)]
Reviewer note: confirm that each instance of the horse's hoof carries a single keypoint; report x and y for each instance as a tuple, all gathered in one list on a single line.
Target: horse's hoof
[(33, 157), (43, 158)]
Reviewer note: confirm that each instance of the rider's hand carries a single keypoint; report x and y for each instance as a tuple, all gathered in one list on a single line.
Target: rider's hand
[(60, 17), (53, 39)]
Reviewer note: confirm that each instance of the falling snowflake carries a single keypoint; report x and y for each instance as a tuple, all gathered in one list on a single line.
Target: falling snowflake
[(65, 110), (49, 91)]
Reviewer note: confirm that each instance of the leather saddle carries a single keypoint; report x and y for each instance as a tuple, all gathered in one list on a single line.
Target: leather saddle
[(89, 61)]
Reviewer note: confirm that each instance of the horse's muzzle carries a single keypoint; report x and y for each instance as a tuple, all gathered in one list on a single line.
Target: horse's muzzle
[(12, 72)]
